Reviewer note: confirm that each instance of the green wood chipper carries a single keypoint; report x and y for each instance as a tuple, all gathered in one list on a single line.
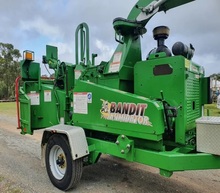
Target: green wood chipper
[(147, 110)]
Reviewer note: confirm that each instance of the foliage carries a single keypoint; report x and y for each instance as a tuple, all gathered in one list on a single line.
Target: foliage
[(3, 89), (216, 76), (9, 69)]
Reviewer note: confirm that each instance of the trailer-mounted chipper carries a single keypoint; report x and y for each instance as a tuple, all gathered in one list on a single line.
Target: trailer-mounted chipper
[(147, 110)]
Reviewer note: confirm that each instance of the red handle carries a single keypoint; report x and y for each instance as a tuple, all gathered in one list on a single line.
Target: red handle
[(17, 100)]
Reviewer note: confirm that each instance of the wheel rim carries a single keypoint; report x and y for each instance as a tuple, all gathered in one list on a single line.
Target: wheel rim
[(57, 161)]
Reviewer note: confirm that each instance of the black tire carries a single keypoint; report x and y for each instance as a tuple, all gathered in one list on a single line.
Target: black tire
[(63, 171)]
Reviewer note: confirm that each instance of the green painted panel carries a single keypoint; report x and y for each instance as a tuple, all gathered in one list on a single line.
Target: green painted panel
[(25, 114), (30, 70), (42, 109), (114, 111), (179, 81)]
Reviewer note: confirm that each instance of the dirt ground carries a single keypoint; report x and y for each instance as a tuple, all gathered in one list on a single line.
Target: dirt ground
[(21, 171)]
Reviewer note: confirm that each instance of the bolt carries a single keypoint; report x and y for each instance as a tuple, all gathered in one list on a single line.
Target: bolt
[(122, 151), (122, 136), (128, 146), (117, 142), (60, 161)]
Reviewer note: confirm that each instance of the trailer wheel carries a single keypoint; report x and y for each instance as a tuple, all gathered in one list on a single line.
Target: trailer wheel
[(63, 171)]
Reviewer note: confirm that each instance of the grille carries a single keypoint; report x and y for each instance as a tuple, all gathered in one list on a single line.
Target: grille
[(192, 99)]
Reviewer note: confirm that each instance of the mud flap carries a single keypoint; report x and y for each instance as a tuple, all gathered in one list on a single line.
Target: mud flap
[(76, 138)]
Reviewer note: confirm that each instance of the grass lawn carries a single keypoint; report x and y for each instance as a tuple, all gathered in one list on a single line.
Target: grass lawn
[(8, 108)]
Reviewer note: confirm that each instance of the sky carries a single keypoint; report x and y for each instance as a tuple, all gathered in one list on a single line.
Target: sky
[(31, 25)]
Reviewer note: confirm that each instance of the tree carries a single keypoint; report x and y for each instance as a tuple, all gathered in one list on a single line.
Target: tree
[(9, 69), (216, 76)]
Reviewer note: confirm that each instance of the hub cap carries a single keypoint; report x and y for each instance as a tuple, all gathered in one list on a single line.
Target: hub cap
[(57, 161)]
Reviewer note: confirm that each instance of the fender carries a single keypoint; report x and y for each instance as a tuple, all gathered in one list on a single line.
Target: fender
[(76, 138)]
